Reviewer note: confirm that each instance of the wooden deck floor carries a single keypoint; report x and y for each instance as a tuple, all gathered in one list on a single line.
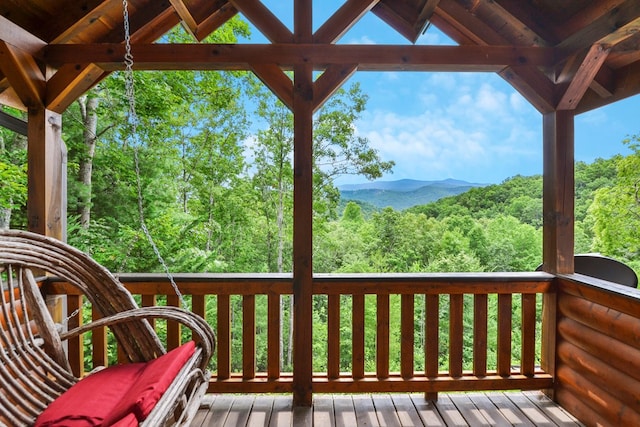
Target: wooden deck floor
[(454, 409)]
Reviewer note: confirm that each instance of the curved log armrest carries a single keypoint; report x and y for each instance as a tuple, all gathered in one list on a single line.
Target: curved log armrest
[(202, 332)]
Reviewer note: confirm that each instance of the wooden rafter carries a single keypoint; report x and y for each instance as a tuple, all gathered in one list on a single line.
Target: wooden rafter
[(23, 73), (264, 20), (369, 57), (330, 81), (583, 77), (215, 21), (276, 80), (68, 84), (342, 20), (19, 38), (189, 22), (406, 19)]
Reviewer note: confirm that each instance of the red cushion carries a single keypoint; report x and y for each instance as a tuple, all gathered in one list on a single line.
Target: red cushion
[(91, 400), (153, 381)]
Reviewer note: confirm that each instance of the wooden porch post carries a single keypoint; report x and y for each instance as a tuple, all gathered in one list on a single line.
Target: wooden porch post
[(46, 174), (558, 191), (302, 235), (302, 212), (558, 214)]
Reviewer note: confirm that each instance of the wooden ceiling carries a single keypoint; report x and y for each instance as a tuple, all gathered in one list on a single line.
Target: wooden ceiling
[(560, 54)]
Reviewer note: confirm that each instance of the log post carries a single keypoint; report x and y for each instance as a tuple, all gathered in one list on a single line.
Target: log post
[(47, 180), (303, 212), (558, 214)]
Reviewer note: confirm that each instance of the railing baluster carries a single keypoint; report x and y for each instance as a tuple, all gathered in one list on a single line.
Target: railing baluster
[(432, 339), (333, 336), (407, 332), (173, 328), (273, 336), (99, 342), (248, 337), (480, 317), (455, 334), (358, 336), (75, 346), (150, 301), (198, 305), (224, 337), (382, 336), (528, 339), (504, 334)]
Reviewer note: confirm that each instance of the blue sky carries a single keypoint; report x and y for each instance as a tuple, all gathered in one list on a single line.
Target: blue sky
[(469, 126)]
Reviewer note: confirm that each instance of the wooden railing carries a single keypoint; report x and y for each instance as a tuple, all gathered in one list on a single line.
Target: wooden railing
[(442, 346)]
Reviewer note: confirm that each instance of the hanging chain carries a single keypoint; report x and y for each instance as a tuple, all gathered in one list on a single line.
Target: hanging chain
[(133, 122)]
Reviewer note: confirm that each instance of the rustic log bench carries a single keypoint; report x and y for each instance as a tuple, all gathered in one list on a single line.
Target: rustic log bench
[(37, 386)]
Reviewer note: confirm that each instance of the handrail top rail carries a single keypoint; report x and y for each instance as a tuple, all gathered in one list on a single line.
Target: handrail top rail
[(329, 277)]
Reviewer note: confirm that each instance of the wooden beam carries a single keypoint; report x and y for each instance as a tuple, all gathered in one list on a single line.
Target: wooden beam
[(584, 77), (68, 83), (615, 26), (532, 85), (16, 36), (9, 98), (342, 20), (215, 21), (190, 24), (23, 73), (329, 82), (13, 123), (626, 83), (277, 81), (368, 57), (264, 20)]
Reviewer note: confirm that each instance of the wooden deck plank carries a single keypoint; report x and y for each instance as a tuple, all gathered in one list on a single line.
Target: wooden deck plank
[(488, 410), (239, 412), (530, 409), (406, 410), (552, 410), (203, 411), (323, 410), (365, 411), (427, 411), (449, 412), (344, 410), (468, 410), (510, 411), (524, 409), (281, 413), (261, 411), (385, 411), (218, 411)]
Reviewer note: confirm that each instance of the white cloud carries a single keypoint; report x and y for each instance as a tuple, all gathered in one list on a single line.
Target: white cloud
[(467, 128)]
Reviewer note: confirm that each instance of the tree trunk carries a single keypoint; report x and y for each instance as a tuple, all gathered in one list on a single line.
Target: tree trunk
[(5, 218), (88, 107)]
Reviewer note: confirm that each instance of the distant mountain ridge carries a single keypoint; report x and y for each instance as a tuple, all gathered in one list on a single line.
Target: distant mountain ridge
[(404, 193)]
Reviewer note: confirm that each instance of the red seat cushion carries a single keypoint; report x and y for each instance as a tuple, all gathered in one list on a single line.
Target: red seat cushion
[(119, 395), (91, 400), (153, 381)]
